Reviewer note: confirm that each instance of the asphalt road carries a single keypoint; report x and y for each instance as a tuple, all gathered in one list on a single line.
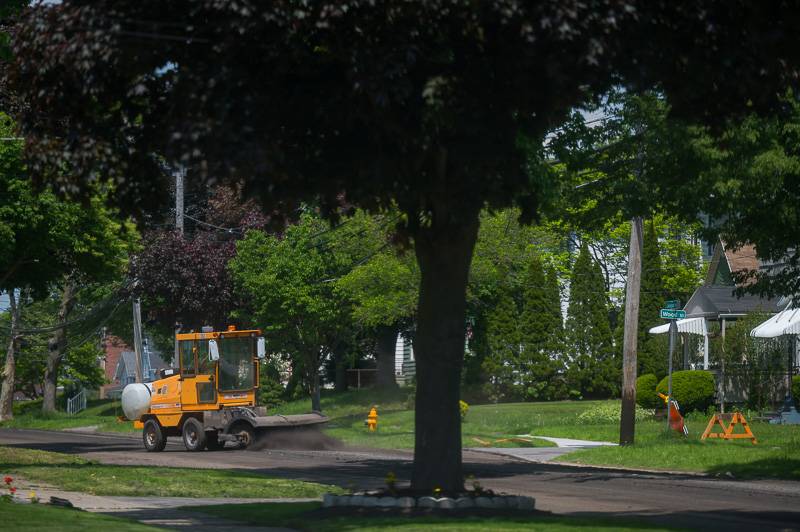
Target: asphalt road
[(678, 500)]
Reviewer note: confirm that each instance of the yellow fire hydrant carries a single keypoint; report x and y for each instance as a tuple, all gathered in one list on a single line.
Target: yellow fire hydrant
[(372, 419)]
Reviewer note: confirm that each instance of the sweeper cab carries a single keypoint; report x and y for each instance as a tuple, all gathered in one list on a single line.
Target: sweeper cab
[(211, 398)]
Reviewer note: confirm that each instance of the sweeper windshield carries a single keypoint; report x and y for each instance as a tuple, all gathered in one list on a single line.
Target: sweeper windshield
[(236, 368)]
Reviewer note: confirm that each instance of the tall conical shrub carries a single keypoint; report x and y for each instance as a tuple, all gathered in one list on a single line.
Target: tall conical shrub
[(593, 369), (540, 326), (652, 354), (504, 341)]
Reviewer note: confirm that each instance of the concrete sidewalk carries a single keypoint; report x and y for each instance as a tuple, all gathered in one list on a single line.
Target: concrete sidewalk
[(573, 444), (164, 512), (542, 454)]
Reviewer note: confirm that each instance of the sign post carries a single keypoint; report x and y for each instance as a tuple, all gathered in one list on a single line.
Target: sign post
[(671, 313), (673, 333)]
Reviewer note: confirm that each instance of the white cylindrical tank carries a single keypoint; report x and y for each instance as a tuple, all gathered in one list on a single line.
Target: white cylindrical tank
[(136, 400)]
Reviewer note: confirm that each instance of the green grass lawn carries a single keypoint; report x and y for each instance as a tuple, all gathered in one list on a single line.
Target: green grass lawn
[(101, 413), (308, 516), (73, 473), (777, 454), (487, 423), (46, 517)]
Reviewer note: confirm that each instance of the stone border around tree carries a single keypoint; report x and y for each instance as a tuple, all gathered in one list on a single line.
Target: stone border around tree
[(493, 502)]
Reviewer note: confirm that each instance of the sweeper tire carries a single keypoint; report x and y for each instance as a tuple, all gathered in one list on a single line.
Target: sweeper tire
[(153, 437)]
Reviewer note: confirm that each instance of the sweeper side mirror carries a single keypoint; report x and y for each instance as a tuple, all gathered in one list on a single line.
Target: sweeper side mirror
[(213, 351), (261, 347)]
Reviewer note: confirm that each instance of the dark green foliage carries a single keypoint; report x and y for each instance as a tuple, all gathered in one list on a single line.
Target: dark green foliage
[(541, 330), (536, 320), (524, 339), (646, 391), (290, 284), (693, 389), (80, 369), (501, 366), (553, 298), (270, 390), (652, 355), (592, 367), (508, 257)]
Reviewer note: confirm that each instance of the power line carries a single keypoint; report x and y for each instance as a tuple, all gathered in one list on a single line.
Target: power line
[(213, 226), (96, 309)]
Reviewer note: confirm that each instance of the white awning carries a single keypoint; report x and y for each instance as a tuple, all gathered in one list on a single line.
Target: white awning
[(786, 322), (689, 325)]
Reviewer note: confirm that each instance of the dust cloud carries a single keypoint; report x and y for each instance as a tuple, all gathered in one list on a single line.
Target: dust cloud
[(295, 438)]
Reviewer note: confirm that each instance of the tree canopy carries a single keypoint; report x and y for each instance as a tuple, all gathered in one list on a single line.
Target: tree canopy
[(289, 281)]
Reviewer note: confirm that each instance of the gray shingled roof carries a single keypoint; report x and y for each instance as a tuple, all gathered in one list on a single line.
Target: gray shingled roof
[(127, 360), (711, 301)]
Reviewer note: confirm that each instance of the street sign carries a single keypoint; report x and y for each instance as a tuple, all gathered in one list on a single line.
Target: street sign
[(672, 314), (672, 304)]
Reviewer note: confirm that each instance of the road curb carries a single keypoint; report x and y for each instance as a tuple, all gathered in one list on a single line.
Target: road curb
[(622, 469)]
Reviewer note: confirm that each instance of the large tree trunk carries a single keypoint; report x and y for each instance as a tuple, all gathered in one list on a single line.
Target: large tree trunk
[(9, 369), (340, 370), (444, 252), (316, 403), (56, 347), (386, 342)]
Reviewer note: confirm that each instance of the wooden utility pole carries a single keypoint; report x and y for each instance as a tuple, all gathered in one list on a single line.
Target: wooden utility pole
[(179, 175), (137, 337), (627, 423)]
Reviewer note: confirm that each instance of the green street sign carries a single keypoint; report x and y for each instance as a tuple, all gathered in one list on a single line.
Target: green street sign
[(672, 314), (672, 304)]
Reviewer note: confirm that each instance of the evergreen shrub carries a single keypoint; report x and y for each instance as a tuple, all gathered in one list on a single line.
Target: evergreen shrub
[(646, 391), (693, 389)]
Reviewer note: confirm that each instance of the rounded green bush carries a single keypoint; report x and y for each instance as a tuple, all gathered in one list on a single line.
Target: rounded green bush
[(693, 389), (646, 391)]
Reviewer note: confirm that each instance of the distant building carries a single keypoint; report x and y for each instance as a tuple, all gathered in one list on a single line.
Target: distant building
[(112, 346), (405, 367), (716, 299), (120, 365)]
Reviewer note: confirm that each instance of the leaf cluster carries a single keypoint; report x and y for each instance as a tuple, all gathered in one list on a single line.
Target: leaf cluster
[(407, 103)]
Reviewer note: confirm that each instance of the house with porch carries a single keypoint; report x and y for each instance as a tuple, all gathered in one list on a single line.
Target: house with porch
[(717, 302), (713, 307)]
